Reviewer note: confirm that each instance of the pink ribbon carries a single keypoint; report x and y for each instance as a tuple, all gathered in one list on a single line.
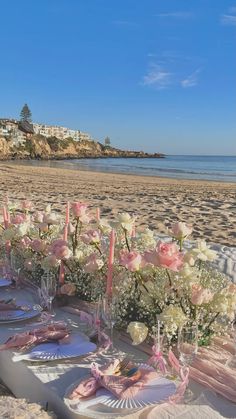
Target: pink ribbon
[(95, 371), (157, 359)]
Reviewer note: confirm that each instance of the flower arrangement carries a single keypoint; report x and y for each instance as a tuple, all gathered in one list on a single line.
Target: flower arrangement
[(150, 277)]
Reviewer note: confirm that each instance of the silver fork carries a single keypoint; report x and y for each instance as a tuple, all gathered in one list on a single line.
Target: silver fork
[(122, 365)]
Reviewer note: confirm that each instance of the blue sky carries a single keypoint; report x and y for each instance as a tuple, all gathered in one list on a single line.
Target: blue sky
[(152, 75)]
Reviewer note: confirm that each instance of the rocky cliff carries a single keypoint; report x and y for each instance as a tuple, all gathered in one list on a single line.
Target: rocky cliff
[(39, 147)]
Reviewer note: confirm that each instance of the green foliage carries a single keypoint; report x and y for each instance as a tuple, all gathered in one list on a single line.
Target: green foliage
[(54, 143), (107, 141), (25, 114), (29, 147)]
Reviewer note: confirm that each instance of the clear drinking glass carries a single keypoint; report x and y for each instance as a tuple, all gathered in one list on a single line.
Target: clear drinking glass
[(109, 318), (49, 289), (187, 346)]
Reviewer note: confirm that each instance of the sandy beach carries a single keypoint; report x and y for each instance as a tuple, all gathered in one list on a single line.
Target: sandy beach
[(209, 206)]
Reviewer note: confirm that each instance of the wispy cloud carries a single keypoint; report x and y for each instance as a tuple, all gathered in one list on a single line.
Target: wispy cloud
[(157, 77), (191, 80), (128, 23), (176, 15), (229, 19)]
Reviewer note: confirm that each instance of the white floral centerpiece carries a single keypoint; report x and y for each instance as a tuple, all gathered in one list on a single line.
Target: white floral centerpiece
[(150, 277)]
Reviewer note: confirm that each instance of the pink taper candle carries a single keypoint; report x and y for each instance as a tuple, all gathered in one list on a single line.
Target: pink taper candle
[(98, 214), (133, 232), (65, 233), (5, 217), (110, 263), (67, 213)]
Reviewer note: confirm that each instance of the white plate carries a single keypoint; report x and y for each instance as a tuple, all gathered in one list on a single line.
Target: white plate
[(77, 345), (5, 282), (105, 403)]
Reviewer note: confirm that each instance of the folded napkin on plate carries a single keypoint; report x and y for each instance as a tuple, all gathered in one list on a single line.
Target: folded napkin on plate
[(122, 387), (53, 332), (209, 368)]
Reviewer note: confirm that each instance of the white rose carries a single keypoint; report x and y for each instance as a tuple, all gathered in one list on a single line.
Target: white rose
[(78, 255), (104, 226), (51, 218), (125, 221), (22, 229), (203, 252), (181, 230)]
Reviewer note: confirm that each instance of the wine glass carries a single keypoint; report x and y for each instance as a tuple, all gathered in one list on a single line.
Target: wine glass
[(15, 267), (49, 289), (160, 348), (231, 363), (109, 318), (188, 347)]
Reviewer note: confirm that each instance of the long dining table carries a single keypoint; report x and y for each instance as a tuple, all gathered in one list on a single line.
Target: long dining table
[(47, 382)]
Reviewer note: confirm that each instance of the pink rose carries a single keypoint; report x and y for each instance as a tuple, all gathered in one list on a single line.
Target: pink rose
[(68, 289), (91, 237), (18, 219), (60, 249), (78, 209), (93, 263), (131, 260), (181, 230), (38, 245), (166, 255), (26, 205), (50, 262), (201, 295)]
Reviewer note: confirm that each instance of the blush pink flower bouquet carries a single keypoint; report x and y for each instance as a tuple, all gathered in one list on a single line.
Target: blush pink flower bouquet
[(151, 275)]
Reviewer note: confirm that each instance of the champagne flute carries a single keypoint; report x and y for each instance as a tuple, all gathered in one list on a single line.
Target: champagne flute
[(109, 318), (49, 289), (160, 348), (188, 347), (15, 267)]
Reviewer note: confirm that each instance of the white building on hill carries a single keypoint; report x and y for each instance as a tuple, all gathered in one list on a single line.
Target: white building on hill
[(60, 132)]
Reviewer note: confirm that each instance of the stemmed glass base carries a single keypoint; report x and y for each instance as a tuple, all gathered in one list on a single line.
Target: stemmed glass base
[(189, 396), (50, 308)]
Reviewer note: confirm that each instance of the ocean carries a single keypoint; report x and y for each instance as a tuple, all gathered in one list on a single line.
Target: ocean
[(221, 168)]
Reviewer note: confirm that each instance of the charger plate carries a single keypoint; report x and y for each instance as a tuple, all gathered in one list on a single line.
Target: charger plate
[(18, 315), (78, 344), (106, 404)]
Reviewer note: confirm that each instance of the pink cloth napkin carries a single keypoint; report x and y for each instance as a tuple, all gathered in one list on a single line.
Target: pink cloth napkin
[(52, 332), (209, 368), (121, 387)]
